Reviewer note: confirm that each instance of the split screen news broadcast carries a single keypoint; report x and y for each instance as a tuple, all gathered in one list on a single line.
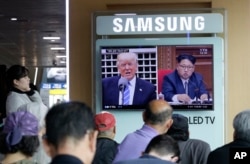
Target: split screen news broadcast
[(134, 75)]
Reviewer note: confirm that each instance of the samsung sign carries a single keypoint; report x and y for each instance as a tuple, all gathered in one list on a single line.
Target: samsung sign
[(159, 24)]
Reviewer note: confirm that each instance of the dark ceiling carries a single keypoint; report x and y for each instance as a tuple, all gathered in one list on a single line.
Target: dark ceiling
[(21, 41)]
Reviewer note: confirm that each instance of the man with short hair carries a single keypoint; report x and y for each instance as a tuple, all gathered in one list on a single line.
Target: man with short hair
[(193, 151), (157, 119), (70, 133), (140, 91), (241, 139), (106, 149), (162, 149), (184, 84)]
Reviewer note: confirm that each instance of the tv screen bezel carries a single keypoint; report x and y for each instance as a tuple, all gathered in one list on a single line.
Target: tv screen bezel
[(216, 43)]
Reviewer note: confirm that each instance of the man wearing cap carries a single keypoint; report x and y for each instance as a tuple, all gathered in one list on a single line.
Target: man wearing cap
[(157, 119), (183, 84), (106, 148), (193, 151)]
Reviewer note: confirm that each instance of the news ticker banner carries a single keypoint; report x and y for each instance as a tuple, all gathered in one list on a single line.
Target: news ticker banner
[(54, 86)]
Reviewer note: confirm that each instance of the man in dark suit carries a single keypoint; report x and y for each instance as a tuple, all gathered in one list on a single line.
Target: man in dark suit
[(241, 139), (114, 88), (183, 84)]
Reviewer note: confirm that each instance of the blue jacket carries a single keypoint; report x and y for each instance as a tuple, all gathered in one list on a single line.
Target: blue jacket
[(172, 85), (144, 91)]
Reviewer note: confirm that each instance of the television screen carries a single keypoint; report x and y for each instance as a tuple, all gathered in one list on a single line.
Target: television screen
[(56, 75), (156, 74)]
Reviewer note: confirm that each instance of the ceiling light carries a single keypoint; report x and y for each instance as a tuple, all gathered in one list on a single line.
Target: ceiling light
[(57, 48), (13, 19), (51, 38), (60, 56)]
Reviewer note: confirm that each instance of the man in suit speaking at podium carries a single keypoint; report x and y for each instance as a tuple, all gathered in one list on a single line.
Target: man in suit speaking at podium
[(184, 85), (127, 89)]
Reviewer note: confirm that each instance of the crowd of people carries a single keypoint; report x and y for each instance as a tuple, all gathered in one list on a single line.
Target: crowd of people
[(74, 134), (71, 133)]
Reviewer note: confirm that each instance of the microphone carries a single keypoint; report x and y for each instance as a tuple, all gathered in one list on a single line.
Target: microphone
[(122, 83)]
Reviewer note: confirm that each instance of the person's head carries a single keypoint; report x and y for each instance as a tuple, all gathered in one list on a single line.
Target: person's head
[(70, 129), (20, 134), (164, 147), (186, 65), (241, 125), (17, 77), (179, 129), (158, 114), (105, 124), (127, 64)]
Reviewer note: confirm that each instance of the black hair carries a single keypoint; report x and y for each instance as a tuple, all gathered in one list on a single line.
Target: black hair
[(179, 129), (28, 145), (178, 134), (157, 118), (68, 120), (189, 57), (163, 145), (15, 72)]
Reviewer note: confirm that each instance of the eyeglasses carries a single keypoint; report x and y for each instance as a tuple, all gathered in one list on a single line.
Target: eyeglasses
[(186, 67)]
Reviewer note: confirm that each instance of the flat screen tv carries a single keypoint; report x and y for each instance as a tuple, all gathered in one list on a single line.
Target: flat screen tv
[(55, 75), (156, 58)]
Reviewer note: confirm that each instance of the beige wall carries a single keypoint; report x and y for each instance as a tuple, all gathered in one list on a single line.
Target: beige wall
[(237, 69)]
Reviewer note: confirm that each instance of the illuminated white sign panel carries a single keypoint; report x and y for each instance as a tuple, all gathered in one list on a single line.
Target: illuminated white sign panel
[(159, 24)]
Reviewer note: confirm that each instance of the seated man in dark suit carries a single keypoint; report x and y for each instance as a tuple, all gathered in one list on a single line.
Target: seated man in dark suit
[(162, 149), (183, 84), (241, 139), (127, 89)]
